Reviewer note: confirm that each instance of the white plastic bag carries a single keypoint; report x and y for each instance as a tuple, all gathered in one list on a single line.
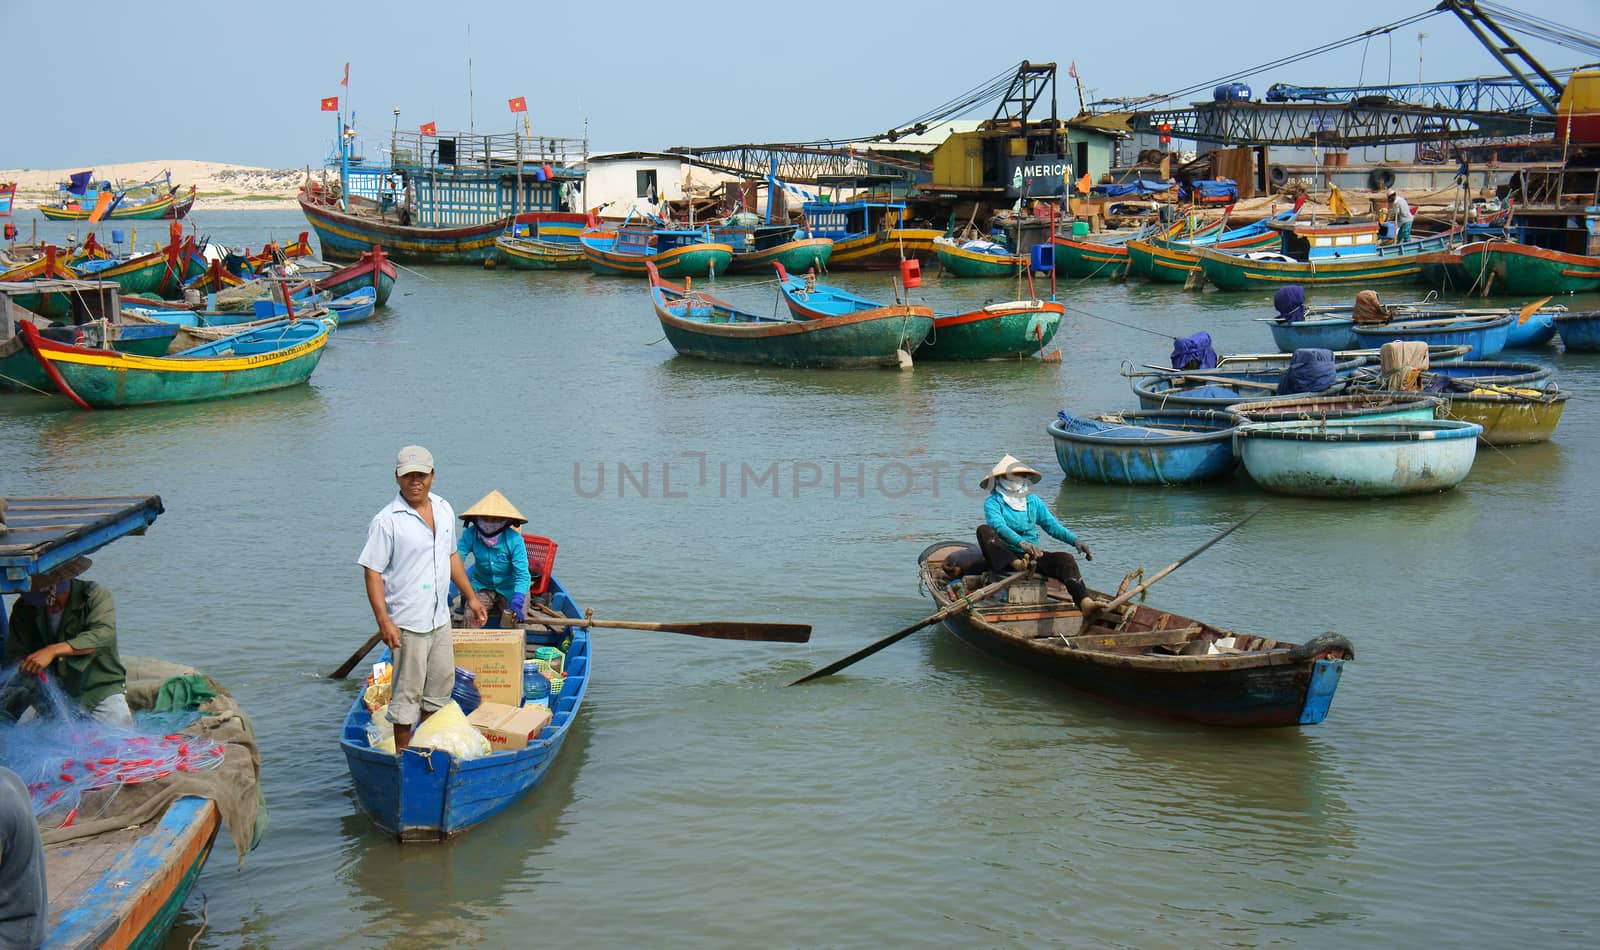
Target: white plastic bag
[(449, 731)]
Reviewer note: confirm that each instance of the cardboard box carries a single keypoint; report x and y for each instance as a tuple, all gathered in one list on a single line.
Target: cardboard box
[(509, 727), (495, 657)]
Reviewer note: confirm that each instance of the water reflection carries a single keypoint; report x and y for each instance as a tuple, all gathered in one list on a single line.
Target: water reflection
[(438, 894)]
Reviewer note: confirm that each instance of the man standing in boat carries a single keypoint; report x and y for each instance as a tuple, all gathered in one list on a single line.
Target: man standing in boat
[(1403, 216), (410, 561), (1012, 517), (66, 628)]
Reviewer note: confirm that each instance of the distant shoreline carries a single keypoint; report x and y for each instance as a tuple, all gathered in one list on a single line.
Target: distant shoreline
[(218, 186)]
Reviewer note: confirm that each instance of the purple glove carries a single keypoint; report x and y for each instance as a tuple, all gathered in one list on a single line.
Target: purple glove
[(518, 601)]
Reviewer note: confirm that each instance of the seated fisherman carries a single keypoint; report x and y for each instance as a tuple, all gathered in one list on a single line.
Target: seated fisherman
[(498, 568), (67, 629), (1013, 516)]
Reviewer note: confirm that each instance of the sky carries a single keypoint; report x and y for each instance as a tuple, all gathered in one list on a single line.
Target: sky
[(241, 83)]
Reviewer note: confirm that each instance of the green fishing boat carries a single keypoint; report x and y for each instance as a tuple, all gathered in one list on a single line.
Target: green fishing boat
[(1085, 259), (702, 326), (959, 261), (266, 357), (1321, 256), (1011, 330), (1530, 271), (144, 274)]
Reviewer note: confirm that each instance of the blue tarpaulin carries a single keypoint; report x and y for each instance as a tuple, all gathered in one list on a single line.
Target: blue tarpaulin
[(1140, 187), (1290, 302), (1193, 352), (1310, 371), (1218, 191)]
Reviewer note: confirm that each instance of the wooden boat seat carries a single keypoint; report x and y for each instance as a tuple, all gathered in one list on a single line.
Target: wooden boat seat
[(1103, 639)]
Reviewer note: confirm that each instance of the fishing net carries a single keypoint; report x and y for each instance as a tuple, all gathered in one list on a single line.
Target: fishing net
[(75, 766), (85, 777)]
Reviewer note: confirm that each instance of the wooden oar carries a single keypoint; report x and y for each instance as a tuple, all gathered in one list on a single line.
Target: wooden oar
[(1090, 606), (1227, 380), (1529, 310), (957, 607), (712, 629), (350, 664)]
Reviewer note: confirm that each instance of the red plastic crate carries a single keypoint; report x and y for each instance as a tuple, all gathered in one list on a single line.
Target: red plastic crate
[(541, 560)]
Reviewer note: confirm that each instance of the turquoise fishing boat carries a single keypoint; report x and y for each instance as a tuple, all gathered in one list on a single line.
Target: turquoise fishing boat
[(1531, 271), (1145, 447), (755, 249), (1358, 458), (1009, 330), (1320, 255), (273, 356), (20, 372), (673, 252), (1485, 334), (702, 326), (1580, 332), (978, 259)]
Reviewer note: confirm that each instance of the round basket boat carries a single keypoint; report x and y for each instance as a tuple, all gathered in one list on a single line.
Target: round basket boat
[(1379, 405), (1494, 372), (1580, 332), (1509, 415), (1485, 334), (1358, 458), (1145, 447)]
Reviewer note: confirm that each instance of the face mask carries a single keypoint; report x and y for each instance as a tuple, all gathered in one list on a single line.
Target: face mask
[(491, 526), (34, 598), (1014, 492)]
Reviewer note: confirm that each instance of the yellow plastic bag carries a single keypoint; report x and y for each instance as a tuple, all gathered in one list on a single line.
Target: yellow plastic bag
[(449, 731)]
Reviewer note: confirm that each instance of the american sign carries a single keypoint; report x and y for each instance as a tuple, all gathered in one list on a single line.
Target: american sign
[(1041, 176)]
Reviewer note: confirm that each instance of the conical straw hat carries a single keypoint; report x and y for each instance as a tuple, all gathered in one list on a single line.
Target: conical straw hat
[(494, 505), (1008, 467)]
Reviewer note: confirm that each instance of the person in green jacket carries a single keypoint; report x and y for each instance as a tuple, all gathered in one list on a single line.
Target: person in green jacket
[(65, 628)]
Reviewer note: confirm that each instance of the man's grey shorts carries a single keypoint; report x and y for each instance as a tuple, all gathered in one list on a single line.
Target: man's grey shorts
[(424, 673)]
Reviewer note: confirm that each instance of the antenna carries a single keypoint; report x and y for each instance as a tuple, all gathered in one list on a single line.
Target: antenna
[(471, 125)]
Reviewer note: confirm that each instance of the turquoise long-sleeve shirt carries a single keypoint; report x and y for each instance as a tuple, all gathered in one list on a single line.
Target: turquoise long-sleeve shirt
[(502, 568), (1015, 527)]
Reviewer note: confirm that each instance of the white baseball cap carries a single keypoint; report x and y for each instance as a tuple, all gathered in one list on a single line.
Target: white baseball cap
[(413, 458)]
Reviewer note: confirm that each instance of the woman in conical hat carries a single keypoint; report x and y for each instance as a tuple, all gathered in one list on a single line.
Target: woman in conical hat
[(498, 564), (1013, 517)]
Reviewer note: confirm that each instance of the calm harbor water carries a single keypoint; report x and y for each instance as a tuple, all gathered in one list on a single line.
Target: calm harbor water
[(928, 794)]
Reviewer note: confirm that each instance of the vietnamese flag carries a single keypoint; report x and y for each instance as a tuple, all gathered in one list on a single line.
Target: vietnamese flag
[(519, 104), (330, 104), (429, 128)]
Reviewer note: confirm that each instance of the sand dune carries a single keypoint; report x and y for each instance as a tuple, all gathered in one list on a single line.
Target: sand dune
[(219, 185)]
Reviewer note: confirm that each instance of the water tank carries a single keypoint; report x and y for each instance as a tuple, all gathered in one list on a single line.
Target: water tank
[(1231, 92)]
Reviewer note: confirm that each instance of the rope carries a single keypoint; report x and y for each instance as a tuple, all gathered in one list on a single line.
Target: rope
[(1165, 336)]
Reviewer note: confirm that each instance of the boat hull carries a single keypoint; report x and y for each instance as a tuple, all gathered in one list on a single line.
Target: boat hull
[(108, 379), (427, 795), (149, 211), (884, 250), (1507, 418), (1233, 272), (1486, 337), (1086, 259), (959, 262), (137, 899), (1290, 685), (1012, 330), (345, 237), (1537, 330), (371, 270), (1580, 332), (695, 260), (1532, 271), (524, 254), (20, 372), (1174, 262), (1357, 459), (796, 257), (855, 340), (1336, 333), (1112, 460)]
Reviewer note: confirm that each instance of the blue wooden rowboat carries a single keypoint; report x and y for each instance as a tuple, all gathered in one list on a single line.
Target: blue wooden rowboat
[(1358, 458), (1145, 447), (1375, 405), (357, 305), (1485, 334), (1141, 657), (1580, 332), (426, 795)]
